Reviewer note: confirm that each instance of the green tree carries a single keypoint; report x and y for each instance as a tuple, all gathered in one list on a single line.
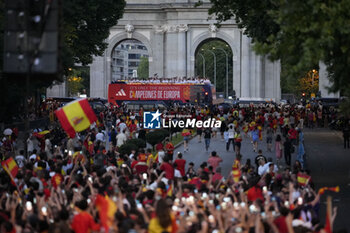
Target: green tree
[(143, 69), (299, 33), (83, 30), (215, 46), (86, 25)]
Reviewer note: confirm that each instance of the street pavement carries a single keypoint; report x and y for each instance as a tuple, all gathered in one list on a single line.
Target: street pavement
[(329, 163), (197, 153), (326, 158)]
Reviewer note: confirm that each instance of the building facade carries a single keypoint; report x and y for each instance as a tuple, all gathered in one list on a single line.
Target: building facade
[(126, 58), (171, 31)]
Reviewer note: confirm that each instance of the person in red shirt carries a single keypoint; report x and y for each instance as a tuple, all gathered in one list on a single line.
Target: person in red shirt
[(292, 135), (214, 160), (83, 222), (280, 221), (180, 162), (169, 149), (217, 176), (167, 168), (159, 146)]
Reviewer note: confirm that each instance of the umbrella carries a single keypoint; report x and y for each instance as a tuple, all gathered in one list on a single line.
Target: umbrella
[(8, 131)]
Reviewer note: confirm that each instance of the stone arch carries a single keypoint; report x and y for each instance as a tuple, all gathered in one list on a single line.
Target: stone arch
[(207, 36), (115, 40)]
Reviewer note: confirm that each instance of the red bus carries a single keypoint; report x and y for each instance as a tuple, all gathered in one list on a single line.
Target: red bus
[(167, 92)]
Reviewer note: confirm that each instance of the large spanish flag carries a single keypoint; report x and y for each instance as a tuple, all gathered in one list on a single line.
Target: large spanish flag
[(10, 166), (76, 116)]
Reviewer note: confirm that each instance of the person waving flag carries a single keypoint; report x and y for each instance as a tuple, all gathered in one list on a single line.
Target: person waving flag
[(76, 116)]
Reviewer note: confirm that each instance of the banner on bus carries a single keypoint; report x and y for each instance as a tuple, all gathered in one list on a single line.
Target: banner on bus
[(149, 92)]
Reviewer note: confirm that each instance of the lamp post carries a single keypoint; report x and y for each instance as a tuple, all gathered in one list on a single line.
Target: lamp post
[(214, 65), (203, 64), (226, 69)]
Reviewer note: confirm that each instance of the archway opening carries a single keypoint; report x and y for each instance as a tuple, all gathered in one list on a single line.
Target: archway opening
[(213, 60), (130, 60)]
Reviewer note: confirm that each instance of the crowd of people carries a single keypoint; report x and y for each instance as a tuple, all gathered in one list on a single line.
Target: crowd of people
[(84, 184), (175, 80)]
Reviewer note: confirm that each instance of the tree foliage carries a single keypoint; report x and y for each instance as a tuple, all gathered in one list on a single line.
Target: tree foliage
[(84, 28), (143, 68), (86, 25), (204, 49), (299, 33)]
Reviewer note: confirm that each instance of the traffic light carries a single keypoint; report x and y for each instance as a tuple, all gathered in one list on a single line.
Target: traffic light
[(31, 37), (303, 94)]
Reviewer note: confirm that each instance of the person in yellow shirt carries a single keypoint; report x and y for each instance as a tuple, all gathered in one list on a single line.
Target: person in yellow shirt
[(163, 220)]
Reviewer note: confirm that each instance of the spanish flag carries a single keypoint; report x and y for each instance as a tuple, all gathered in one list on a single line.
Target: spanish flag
[(303, 179), (106, 209), (76, 116), (41, 134), (10, 166)]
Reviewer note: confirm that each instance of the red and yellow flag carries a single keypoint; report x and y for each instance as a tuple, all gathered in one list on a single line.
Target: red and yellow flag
[(76, 116), (303, 179), (10, 166), (106, 208), (236, 170)]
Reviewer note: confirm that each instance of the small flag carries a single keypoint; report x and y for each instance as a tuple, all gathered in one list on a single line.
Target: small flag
[(303, 179), (10, 166), (76, 116), (333, 189), (41, 134)]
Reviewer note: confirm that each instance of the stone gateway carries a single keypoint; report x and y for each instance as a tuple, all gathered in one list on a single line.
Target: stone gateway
[(172, 30)]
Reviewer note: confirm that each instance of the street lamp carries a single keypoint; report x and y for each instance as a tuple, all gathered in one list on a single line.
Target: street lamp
[(226, 69), (214, 65), (203, 64)]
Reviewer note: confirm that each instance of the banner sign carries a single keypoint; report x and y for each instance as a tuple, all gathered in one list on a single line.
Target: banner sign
[(148, 92)]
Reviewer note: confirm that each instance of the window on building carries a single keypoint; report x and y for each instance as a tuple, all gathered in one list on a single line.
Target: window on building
[(134, 56), (133, 63)]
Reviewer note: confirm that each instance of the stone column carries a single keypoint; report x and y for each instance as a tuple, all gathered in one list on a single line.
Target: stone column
[(245, 72), (269, 79), (252, 73), (97, 80), (181, 45), (171, 47), (324, 83), (258, 77), (158, 51), (57, 90)]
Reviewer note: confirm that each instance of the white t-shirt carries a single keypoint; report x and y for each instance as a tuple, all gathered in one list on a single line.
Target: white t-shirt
[(20, 160), (100, 137), (121, 139), (47, 145), (122, 126)]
